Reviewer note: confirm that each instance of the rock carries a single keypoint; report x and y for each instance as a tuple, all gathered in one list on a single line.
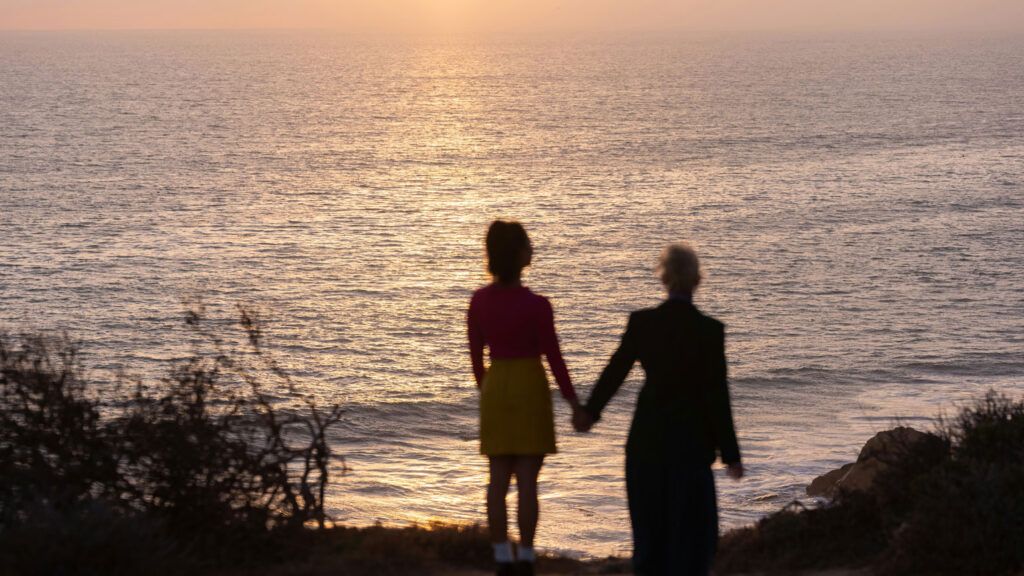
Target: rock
[(825, 484), (891, 444), (879, 452), (861, 476)]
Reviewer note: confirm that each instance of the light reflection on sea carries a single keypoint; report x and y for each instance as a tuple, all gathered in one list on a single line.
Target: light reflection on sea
[(858, 205)]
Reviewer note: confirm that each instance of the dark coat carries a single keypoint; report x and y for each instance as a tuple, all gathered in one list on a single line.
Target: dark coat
[(683, 409)]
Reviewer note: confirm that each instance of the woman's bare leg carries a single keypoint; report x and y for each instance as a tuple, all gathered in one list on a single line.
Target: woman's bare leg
[(527, 469), (502, 468)]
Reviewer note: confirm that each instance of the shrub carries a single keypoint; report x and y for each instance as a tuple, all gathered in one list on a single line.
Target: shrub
[(953, 504), (966, 515), (847, 534), (53, 445), (204, 465)]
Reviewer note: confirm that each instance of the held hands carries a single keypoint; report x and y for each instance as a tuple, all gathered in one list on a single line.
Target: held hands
[(581, 419), (734, 471)]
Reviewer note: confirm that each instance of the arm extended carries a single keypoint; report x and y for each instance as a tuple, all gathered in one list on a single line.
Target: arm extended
[(614, 374), (553, 352)]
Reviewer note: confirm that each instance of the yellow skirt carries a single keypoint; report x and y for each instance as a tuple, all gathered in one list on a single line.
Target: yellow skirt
[(516, 417)]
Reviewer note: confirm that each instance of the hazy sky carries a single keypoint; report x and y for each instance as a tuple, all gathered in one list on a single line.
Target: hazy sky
[(517, 15)]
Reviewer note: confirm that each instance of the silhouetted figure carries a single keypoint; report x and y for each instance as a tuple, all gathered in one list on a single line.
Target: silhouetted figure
[(682, 418), (517, 426)]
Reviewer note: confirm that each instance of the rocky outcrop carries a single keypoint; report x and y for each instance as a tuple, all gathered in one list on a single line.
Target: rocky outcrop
[(879, 452), (825, 484)]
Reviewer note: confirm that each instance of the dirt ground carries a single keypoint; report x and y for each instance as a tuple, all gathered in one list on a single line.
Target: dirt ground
[(811, 573)]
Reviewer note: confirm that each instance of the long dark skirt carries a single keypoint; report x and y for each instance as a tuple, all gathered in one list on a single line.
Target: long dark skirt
[(674, 516)]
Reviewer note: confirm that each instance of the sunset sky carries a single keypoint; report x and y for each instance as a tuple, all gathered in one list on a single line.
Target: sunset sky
[(517, 15)]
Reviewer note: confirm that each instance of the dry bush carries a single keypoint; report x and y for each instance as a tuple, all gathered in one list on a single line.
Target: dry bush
[(951, 505), (202, 467), (966, 515)]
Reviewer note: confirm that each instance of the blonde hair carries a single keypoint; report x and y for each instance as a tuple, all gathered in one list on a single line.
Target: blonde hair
[(679, 268)]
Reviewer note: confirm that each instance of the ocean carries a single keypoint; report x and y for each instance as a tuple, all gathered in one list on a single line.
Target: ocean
[(857, 201)]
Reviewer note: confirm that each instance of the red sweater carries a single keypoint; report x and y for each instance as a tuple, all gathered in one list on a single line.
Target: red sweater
[(515, 323)]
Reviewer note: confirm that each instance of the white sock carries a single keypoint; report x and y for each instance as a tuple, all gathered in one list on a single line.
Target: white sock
[(503, 552), (526, 554)]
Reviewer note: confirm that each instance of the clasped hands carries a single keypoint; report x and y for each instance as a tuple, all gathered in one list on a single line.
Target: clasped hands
[(582, 421)]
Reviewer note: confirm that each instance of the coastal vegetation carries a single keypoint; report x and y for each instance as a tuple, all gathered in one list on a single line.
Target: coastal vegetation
[(208, 472), (948, 502), (205, 468)]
